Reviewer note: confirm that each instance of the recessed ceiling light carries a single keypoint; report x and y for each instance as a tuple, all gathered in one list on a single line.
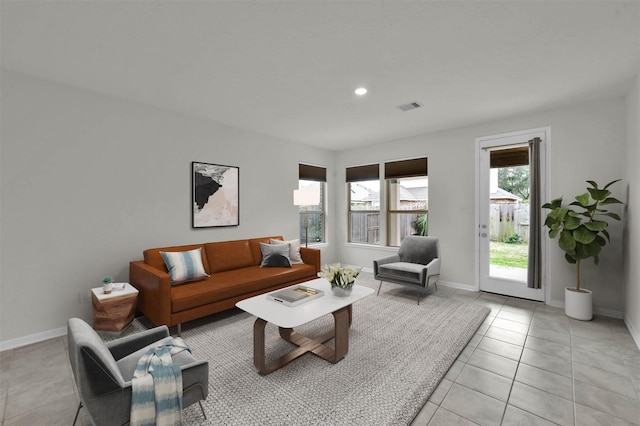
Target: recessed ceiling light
[(360, 91)]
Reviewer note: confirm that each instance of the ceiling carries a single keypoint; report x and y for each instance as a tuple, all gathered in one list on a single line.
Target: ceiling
[(289, 68)]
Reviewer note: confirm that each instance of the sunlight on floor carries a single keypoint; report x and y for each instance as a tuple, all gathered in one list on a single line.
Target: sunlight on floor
[(516, 274)]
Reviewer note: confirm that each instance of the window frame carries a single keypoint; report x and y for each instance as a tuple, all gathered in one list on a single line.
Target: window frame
[(313, 174), (350, 213), (322, 212), (355, 175), (398, 170)]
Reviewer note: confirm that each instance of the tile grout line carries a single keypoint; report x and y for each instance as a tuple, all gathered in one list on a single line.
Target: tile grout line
[(454, 382), (515, 374), (6, 392), (573, 379)]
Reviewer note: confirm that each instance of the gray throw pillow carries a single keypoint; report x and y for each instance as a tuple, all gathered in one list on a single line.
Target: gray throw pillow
[(275, 255), (294, 249)]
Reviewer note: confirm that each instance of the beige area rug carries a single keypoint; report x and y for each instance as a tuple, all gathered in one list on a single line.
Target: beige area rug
[(398, 353)]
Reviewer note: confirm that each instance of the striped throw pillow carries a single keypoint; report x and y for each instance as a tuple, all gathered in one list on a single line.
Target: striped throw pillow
[(184, 266)]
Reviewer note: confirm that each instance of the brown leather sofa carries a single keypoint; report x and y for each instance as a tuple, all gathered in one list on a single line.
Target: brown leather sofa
[(235, 274)]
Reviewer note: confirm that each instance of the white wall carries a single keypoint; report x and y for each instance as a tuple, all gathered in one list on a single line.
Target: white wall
[(89, 181), (632, 229), (587, 142)]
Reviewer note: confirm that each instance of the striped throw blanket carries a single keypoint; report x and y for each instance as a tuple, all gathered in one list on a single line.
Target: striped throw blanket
[(157, 386)]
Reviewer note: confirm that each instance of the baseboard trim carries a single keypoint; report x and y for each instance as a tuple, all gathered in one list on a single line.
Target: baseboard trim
[(611, 313), (442, 283), (32, 338), (457, 286), (635, 334)]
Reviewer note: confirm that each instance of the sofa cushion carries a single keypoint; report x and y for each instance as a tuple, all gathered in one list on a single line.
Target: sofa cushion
[(228, 255), (235, 283), (153, 257), (294, 249), (184, 266), (127, 364), (401, 271), (275, 255)]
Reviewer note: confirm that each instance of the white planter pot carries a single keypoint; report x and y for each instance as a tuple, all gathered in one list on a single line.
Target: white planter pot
[(578, 305)]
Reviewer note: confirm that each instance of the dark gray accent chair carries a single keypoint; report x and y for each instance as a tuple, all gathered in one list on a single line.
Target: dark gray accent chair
[(417, 263), (103, 371)]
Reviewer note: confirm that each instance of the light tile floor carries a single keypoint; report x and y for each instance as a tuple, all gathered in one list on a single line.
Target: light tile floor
[(528, 364)]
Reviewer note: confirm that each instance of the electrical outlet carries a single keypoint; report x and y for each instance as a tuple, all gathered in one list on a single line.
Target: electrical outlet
[(84, 296)]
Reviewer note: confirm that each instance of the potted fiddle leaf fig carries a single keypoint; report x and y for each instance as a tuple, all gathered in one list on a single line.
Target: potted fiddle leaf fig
[(581, 228)]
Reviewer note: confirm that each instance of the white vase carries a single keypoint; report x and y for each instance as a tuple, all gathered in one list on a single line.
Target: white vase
[(107, 287), (578, 305), (341, 292)]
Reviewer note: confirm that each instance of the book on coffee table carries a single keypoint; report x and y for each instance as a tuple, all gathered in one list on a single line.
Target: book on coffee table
[(294, 296)]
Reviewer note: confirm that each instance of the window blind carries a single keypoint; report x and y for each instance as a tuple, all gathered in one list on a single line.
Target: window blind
[(511, 157), (315, 173), (363, 173), (406, 168)]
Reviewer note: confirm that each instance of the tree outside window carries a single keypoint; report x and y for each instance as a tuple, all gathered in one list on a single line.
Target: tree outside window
[(515, 180)]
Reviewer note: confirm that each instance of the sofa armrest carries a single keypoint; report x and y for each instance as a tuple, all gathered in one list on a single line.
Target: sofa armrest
[(389, 259), (433, 267), (129, 344), (311, 256), (154, 285)]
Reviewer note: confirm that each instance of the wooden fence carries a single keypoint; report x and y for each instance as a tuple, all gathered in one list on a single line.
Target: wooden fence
[(506, 220), (365, 227), (316, 227)]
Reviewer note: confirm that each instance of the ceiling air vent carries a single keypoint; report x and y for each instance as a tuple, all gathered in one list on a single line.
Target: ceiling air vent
[(409, 106)]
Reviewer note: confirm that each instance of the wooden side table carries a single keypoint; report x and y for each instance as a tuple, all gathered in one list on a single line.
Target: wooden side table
[(113, 312)]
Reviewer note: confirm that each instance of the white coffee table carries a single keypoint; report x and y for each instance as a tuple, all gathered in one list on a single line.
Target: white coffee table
[(286, 318)]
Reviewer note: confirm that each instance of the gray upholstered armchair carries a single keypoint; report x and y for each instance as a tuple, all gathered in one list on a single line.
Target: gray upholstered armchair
[(103, 371), (417, 263)]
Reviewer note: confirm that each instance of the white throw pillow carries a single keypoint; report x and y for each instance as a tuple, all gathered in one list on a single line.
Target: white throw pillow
[(184, 266), (294, 249)]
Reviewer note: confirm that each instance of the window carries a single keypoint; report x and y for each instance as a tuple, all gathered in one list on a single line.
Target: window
[(312, 218), (363, 187), (407, 199)]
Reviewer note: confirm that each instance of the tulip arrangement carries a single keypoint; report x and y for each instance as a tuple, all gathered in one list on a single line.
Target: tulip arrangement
[(340, 276)]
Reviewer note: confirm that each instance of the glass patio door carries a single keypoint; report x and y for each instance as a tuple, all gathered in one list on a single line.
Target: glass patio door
[(504, 214)]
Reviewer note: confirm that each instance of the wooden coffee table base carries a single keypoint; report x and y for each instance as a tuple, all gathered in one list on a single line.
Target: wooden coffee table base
[(342, 322)]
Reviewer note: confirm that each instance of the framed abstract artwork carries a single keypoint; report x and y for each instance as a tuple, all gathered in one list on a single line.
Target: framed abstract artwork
[(215, 193)]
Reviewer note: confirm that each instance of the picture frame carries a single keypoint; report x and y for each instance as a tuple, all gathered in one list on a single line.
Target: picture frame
[(215, 195)]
